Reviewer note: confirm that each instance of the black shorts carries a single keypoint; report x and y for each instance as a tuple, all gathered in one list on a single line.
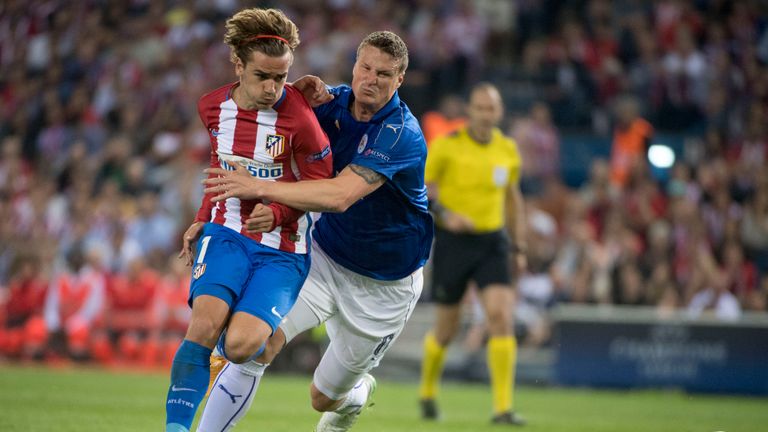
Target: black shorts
[(459, 258)]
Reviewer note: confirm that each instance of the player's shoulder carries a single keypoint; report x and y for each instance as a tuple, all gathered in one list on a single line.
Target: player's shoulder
[(506, 143), (294, 101), (216, 96), (400, 125)]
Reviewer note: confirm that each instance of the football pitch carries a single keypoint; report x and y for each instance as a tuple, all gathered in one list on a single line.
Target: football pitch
[(84, 400)]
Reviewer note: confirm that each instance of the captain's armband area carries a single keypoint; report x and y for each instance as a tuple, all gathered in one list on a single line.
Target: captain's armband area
[(369, 175)]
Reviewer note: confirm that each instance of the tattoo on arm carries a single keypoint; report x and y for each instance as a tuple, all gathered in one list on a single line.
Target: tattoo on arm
[(369, 175)]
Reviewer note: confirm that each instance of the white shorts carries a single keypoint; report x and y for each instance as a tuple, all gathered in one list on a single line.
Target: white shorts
[(363, 317)]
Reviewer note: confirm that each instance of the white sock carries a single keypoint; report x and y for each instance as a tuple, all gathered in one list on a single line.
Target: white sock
[(231, 396), (355, 399)]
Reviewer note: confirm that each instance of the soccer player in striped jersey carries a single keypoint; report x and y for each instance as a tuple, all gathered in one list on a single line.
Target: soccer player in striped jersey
[(246, 281), (371, 242)]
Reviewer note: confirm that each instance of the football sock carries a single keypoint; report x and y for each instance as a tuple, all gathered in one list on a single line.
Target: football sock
[(502, 357), (431, 367), (189, 380), (231, 396)]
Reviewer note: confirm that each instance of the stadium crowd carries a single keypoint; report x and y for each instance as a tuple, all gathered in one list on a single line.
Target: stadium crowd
[(102, 152)]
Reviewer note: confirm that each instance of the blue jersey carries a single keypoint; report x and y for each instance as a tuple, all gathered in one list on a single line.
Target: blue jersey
[(387, 234)]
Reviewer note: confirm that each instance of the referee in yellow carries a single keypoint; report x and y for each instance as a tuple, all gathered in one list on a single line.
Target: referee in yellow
[(472, 180)]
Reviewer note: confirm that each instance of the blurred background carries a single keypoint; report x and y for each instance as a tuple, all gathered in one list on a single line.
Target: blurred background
[(655, 255)]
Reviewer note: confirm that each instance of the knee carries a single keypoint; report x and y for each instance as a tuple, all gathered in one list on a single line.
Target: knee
[(499, 323), (444, 334), (272, 348), (240, 347)]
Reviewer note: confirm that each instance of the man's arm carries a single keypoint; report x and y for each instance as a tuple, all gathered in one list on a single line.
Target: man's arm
[(327, 195), (515, 214)]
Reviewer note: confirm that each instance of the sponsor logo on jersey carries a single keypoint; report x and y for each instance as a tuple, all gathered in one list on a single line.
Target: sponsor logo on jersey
[(214, 132), (377, 154), (319, 155), (198, 270), (262, 170), (363, 142), (275, 145)]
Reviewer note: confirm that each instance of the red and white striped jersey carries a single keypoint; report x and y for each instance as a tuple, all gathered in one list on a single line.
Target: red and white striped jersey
[(283, 143)]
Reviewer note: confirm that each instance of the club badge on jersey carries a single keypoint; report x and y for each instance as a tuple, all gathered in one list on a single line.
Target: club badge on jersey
[(275, 145), (198, 270)]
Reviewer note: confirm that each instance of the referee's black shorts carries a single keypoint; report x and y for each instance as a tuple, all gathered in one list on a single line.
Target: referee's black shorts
[(459, 258)]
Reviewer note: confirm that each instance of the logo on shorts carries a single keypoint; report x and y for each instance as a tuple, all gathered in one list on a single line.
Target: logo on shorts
[(198, 270), (276, 313)]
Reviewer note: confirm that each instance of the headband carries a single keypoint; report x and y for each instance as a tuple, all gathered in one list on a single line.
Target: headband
[(253, 38)]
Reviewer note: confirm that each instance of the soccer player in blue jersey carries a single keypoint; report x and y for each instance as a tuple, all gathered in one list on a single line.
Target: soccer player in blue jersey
[(246, 280), (371, 241)]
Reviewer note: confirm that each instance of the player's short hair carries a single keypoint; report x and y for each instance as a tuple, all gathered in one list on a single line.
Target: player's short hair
[(265, 30), (391, 44)]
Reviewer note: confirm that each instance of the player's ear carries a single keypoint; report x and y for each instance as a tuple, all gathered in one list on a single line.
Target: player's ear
[(239, 67)]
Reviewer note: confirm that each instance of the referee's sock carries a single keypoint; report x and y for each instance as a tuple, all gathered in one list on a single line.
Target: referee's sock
[(431, 367), (502, 357), (189, 380)]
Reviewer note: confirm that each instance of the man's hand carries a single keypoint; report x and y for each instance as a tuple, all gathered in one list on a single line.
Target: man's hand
[(261, 219), (313, 89), (520, 263), (190, 237), (455, 222), (232, 184)]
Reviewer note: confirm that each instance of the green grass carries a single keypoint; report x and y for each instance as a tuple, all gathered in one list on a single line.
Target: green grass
[(83, 400)]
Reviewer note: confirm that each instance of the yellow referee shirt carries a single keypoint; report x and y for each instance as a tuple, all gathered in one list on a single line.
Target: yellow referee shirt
[(472, 178)]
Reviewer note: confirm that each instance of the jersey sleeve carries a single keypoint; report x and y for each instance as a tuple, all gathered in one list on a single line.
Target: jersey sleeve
[(391, 150), (312, 150), (322, 111), (204, 212)]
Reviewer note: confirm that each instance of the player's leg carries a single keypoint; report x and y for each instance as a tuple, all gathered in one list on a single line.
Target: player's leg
[(219, 272), (436, 341), (189, 370), (498, 297), (372, 314), (233, 390), (453, 260), (498, 301)]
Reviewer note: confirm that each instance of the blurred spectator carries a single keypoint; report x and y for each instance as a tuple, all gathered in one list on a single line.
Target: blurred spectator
[(539, 145), (75, 303), (22, 333), (448, 118), (631, 139)]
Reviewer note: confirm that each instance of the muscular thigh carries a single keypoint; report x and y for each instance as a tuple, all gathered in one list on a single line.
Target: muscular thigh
[(372, 314)]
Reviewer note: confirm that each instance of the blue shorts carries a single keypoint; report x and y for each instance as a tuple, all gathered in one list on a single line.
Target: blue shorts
[(249, 276)]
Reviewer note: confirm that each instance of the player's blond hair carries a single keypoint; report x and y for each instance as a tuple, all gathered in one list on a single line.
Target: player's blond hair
[(265, 30), (391, 44)]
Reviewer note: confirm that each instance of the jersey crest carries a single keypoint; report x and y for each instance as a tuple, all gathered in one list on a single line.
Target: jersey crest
[(363, 143), (198, 270), (275, 145)]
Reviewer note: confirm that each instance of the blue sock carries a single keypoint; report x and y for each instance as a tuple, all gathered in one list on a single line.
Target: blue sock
[(223, 352), (189, 381)]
